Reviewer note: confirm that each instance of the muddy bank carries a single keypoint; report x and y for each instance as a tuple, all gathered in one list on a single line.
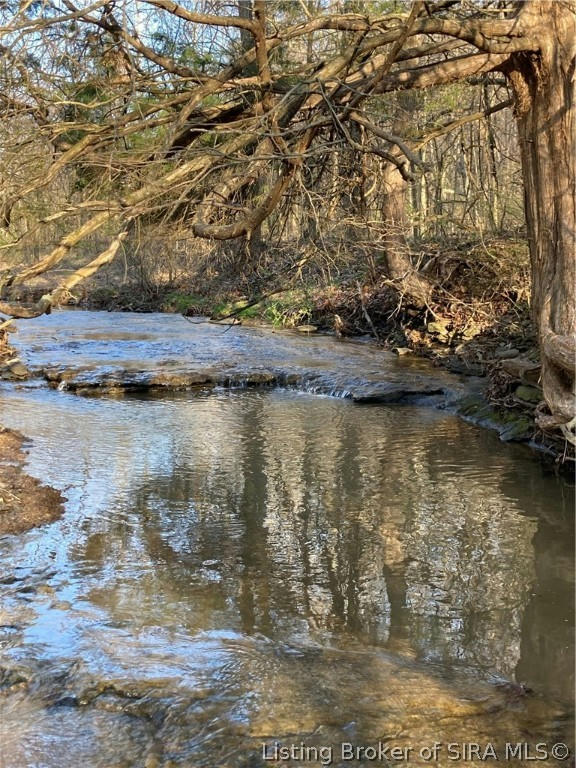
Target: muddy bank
[(24, 501)]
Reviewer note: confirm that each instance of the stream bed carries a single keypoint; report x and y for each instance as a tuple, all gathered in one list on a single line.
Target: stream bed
[(241, 571)]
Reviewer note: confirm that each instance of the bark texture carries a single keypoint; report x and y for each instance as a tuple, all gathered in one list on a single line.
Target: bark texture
[(544, 88), (399, 267)]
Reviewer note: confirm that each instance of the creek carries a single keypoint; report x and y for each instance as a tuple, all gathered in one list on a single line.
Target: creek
[(245, 566)]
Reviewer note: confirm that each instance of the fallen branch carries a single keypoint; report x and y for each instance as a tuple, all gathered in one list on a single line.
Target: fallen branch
[(46, 302)]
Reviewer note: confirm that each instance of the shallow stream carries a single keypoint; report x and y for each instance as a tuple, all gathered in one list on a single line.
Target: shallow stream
[(242, 567)]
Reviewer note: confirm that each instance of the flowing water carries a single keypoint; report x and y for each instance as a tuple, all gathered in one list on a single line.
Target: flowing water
[(244, 571)]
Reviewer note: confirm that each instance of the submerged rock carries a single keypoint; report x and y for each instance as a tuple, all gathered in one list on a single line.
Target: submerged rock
[(394, 393), (360, 391), (511, 425), (14, 370)]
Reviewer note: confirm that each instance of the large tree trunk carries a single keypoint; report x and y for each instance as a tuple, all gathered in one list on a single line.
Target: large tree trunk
[(398, 264), (414, 286), (544, 89)]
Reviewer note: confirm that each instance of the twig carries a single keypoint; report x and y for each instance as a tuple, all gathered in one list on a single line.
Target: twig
[(366, 313)]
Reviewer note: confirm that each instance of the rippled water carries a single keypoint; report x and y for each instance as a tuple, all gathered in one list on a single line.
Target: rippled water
[(244, 567), (128, 349)]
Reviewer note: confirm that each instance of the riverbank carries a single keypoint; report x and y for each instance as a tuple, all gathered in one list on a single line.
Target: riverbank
[(24, 501)]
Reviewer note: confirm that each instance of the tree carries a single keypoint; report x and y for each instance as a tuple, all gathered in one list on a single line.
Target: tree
[(253, 122)]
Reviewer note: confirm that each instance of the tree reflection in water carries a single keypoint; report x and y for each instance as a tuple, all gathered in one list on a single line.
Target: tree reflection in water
[(305, 565), (402, 527)]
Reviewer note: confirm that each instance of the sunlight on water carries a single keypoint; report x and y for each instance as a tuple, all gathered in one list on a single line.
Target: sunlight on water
[(241, 567)]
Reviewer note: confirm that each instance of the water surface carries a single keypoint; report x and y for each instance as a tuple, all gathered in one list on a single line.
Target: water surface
[(243, 567)]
